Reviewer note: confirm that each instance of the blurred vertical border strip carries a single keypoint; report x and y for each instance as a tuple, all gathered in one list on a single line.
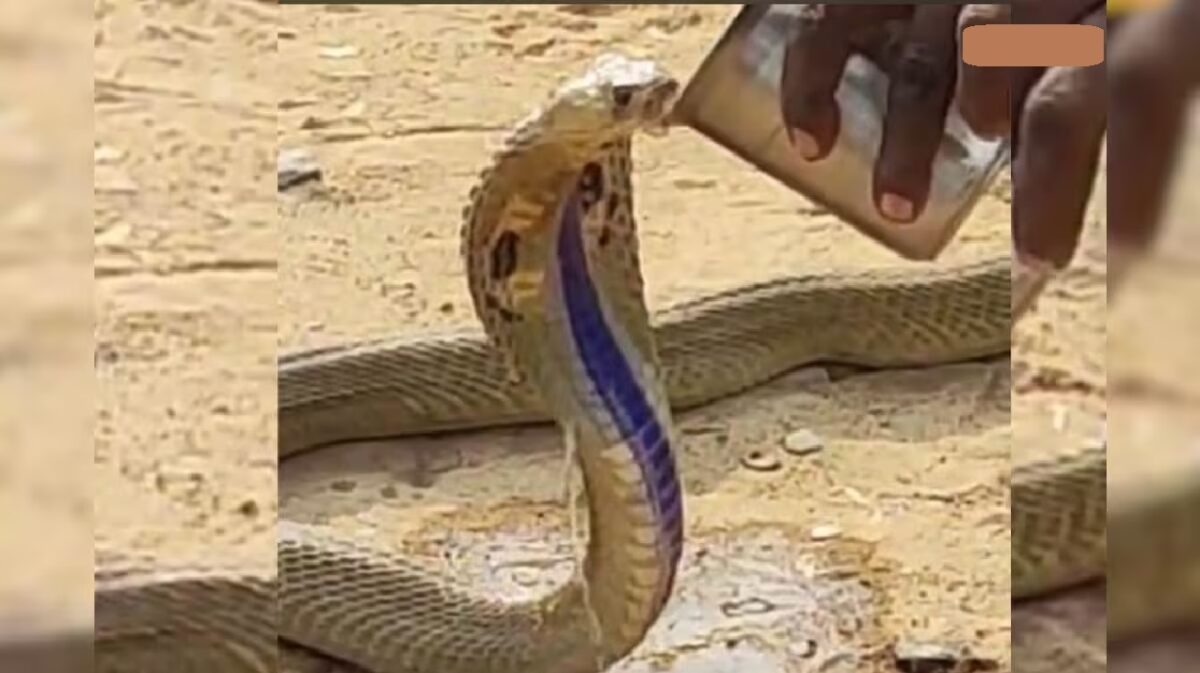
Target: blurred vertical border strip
[(47, 388)]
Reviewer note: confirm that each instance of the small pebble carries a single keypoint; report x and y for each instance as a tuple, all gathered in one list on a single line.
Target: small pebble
[(761, 461), (802, 443), (703, 429), (103, 154), (825, 532), (1061, 418), (805, 649), (916, 657), (295, 166), (339, 52), (248, 508)]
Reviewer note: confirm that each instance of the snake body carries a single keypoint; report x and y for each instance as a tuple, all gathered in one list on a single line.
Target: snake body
[(553, 268), (188, 619), (711, 348)]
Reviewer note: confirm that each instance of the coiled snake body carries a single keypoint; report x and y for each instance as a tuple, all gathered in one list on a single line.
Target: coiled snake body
[(553, 267)]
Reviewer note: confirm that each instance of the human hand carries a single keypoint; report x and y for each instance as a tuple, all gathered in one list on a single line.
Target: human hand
[(1154, 69), (1060, 113), (917, 46)]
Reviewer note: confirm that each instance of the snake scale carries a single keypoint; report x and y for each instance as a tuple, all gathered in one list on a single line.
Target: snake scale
[(552, 259)]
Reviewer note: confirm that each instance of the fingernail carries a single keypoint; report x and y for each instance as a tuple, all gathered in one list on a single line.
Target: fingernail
[(805, 143), (896, 207)]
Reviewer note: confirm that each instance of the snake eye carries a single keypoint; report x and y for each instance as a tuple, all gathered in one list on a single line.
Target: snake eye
[(623, 95)]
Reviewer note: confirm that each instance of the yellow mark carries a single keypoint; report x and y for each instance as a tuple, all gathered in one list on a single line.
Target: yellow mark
[(1128, 6), (525, 285), (521, 213)]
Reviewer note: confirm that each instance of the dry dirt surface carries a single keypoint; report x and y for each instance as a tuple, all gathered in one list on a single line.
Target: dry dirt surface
[(185, 254), (203, 275), (46, 398)]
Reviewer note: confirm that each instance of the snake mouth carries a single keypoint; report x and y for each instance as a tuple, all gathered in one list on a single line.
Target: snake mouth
[(660, 108)]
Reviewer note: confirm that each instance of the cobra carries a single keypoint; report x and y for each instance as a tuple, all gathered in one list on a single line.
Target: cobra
[(562, 304), (553, 267)]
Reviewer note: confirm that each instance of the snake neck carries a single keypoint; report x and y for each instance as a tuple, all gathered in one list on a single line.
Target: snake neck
[(577, 330), (611, 396)]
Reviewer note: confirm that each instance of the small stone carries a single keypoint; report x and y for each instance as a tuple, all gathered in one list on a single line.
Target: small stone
[(917, 657), (761, 461), (103, 154), (339, 52), (825, 532), (295, 166), (248, 508), (805, 649), (1061, 418), (703, 429), (802, 443)]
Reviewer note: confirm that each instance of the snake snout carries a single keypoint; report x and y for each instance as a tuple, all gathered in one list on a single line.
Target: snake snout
[(659, 107)]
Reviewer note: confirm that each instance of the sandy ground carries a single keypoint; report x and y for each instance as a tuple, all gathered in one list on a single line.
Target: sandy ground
[(401, 105), (186, 250), (46, 389)]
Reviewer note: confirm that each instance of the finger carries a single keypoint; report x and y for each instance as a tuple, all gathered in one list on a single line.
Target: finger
[(921, 84), (1154, 67), (1022, 80), (1062, 126), (1060, 11), (812, 70), (982, 93)]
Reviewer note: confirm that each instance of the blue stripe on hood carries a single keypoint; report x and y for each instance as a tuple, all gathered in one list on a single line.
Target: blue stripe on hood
[(614, 381)]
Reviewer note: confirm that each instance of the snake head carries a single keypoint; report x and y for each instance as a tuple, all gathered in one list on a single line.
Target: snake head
[(616, 96)]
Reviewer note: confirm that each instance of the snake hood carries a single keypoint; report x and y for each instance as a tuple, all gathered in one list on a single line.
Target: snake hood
[(569, 317), (588, 118)]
